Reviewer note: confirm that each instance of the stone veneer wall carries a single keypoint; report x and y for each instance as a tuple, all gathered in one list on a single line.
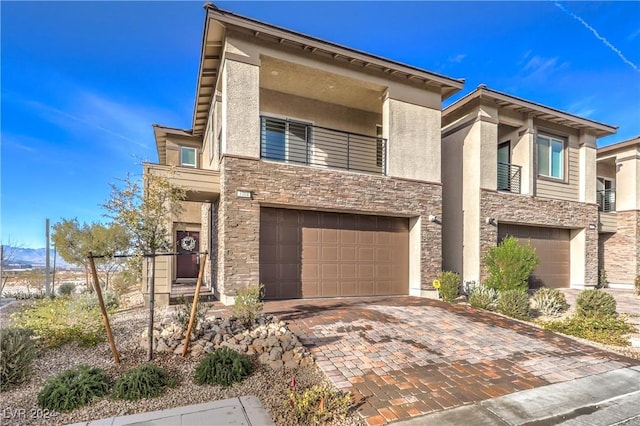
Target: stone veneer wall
[(620, 251), (535, 211), (282, 185)]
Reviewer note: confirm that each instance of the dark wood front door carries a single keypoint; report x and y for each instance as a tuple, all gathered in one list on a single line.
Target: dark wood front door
[(187, 264)]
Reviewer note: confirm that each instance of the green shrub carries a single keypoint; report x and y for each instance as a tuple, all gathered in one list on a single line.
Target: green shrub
[(16, 356), (223, 367), (319, 404), (636, 285), (510, 264), (483, 297), (514, 303), (62, 320), (602, 278), (595, 302), (66, 289), (247, 305), (550, 301), (449, 285), (183, 313), (146, 381), (88, 301), (609, 330), (73, 388)]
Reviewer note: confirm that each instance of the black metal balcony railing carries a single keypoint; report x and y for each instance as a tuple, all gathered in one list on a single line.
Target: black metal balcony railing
[(509, 177), (606, 200), (302, 143)]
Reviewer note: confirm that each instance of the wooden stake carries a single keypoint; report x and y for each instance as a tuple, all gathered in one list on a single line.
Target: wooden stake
[(194, 306), (105, 318)]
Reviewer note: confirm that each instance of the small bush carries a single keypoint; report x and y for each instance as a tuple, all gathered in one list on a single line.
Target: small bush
[(602, 278), (73, 388), (146, 381), (636, 285), (550, 301), (514, 303), (16, 356), (89, 300), (483, 297), (223, 367), (319, 404), (247, 306), (66, 289), (595, 302), (62, 320), (510, 264), (449, 285), (609, 330), (183, 313)]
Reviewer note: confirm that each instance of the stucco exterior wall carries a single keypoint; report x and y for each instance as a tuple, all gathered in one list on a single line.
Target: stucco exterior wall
[(319, 113), (240, 109), (413, 133), (282, 185)]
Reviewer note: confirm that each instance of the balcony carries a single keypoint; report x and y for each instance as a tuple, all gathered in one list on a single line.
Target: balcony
[(509, 177), (606, 200), (303, 143), (200, 184)]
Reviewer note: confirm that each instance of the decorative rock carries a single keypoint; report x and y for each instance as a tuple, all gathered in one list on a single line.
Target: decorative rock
[(292, 364), (275, 354), (162, 346), (276, 365), (287, 356), (178, 349), (264, 358)]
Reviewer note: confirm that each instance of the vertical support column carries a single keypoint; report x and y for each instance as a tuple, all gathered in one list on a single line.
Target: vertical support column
[(587, 153)]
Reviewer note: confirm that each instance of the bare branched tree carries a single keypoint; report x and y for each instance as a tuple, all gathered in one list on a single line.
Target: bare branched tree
[(146, 213)]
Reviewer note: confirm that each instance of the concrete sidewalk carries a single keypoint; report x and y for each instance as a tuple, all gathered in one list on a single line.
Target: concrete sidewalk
[(246, 410), (611, 398)]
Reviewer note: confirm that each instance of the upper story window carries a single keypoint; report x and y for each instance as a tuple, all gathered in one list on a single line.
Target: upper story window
[(606, 195), (188, 157), (284, 140), (550, 157)]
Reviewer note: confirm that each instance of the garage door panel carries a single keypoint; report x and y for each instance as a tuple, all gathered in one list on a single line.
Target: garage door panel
[(320, 254), (553, 249)]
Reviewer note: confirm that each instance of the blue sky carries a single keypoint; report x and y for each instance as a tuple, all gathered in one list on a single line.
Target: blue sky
[(82, 82)]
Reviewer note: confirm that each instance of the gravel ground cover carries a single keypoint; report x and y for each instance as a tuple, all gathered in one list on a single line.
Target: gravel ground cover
[(18, 406)]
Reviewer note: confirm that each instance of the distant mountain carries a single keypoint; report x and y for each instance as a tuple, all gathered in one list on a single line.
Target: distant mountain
[(34, 257)]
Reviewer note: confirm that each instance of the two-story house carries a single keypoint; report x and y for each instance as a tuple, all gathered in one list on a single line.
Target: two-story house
[(515, 167), (312, 168), (618, 196)]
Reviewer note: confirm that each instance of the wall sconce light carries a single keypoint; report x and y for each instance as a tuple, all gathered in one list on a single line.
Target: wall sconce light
[(592, 226), (434, 218), (491, 221), (241, 193)]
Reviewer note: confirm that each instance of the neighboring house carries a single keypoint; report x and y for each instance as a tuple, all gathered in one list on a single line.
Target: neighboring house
[(618, 196), (514, 167), (312, 168)]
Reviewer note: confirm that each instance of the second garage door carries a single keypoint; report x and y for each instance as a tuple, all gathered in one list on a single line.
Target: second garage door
[(307, 254), (552, 248)]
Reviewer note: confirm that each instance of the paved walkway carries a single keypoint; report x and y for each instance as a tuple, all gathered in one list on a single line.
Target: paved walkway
[(404, 357), (246, 410)]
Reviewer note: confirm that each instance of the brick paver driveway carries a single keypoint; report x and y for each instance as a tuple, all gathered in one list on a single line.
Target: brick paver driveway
[(404, 356)]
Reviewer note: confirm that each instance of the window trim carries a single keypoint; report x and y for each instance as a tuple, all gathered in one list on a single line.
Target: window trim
[(563, 161), (195, 157), (287, 121)]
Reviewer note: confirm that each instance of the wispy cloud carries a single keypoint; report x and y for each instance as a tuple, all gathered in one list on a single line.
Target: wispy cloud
[(540, 68), (456, 59), (583, 107), (598, 36), (634, 34)]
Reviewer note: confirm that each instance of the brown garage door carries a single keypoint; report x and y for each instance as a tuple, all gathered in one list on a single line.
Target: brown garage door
[(552, 247), (318, 254)]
